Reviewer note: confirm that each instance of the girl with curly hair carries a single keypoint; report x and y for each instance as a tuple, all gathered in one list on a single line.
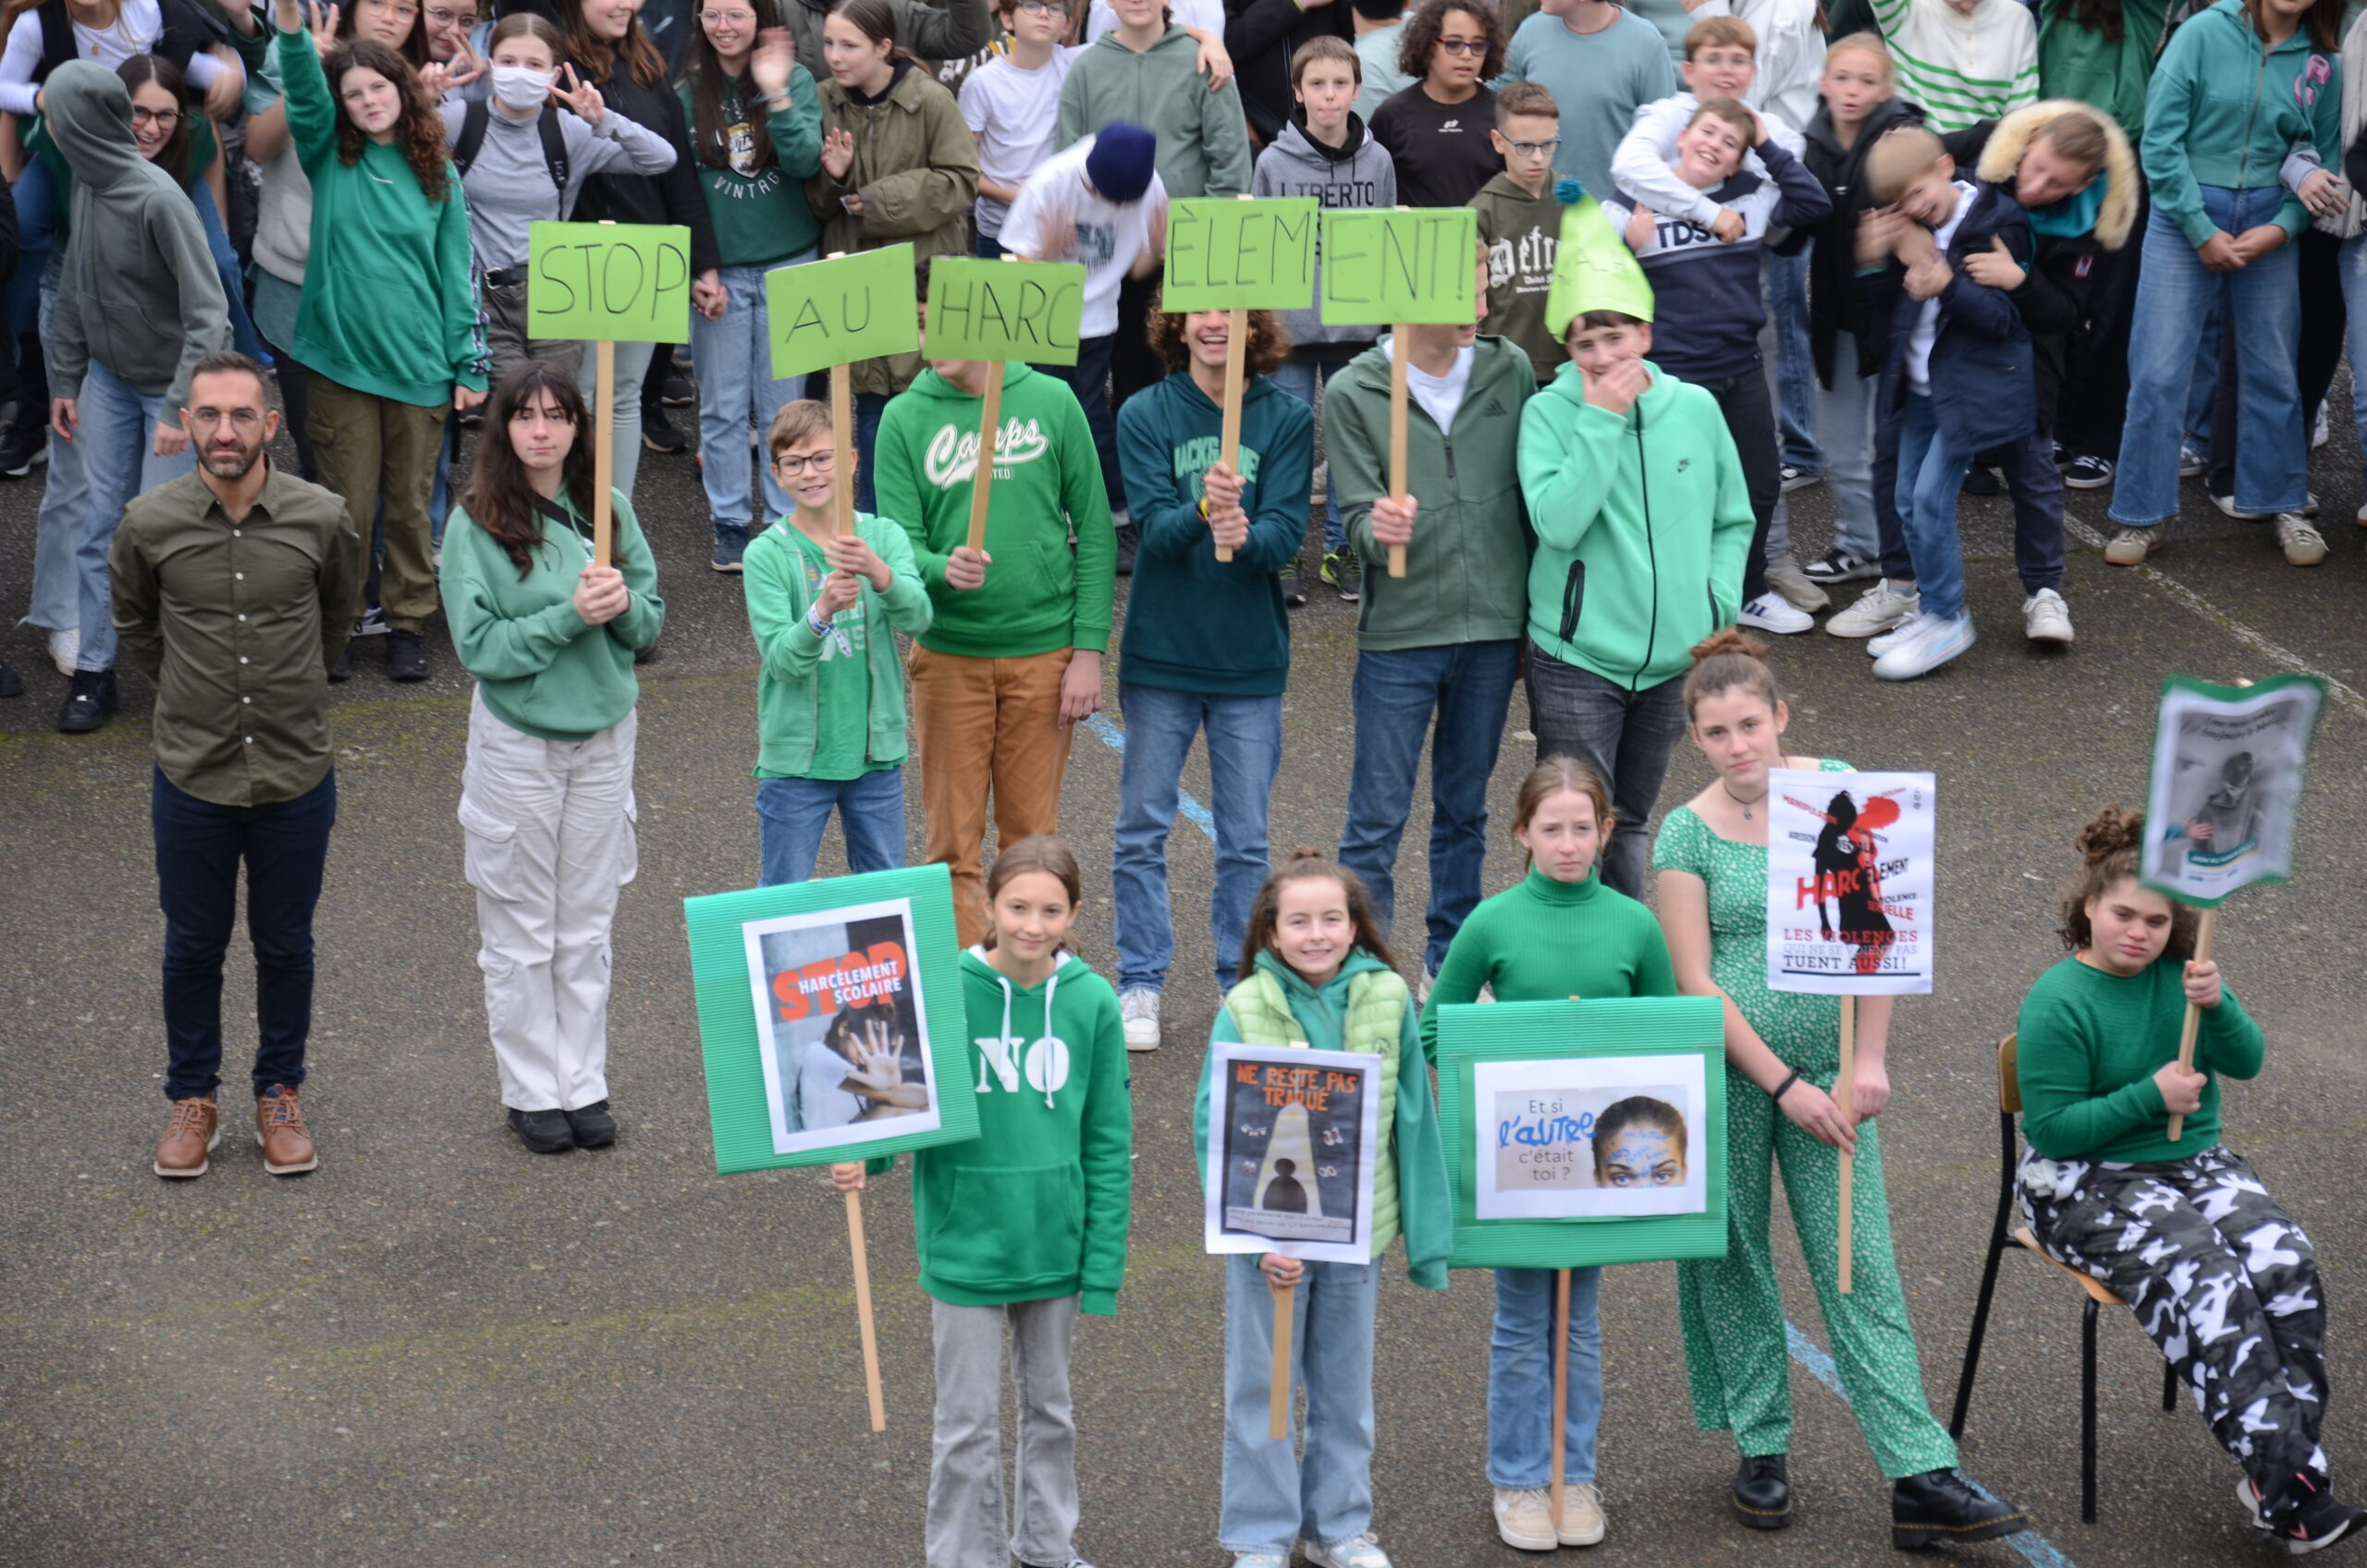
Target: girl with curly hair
[(2184, 1232), (1436, 130), (388, 323), (1206, 642)]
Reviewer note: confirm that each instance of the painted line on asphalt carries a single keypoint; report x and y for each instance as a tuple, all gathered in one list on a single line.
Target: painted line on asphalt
[(2349, 697), (1114, 738)]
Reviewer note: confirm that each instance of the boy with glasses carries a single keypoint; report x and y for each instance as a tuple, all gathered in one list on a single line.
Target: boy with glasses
[(1012, 104), (1601, 64), (1520, 223)]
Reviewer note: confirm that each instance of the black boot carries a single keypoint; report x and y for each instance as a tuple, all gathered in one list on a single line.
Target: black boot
[(1939, 1508), (88, 701), (1762, 1492), (593, 1126), (544, 1132)]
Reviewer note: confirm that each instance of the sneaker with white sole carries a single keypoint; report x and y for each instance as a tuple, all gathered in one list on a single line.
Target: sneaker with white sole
[(2300, 541), (1879, 608), (2191, 463), (1838, 565), (1784, 575), (2319, 431), (1362, 1553), (1582, 1521), (65, 647), (2132, 545), (1138, 1010), (1261, 1560), (1796, 478), (2228, 504), (2087, 474), (1929, 643), (1525, 1519), (1769, 612), (2045, 618), (1877, 646)]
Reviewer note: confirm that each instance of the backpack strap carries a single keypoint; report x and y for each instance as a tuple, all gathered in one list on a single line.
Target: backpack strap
[(465, 147), (57, 44), (554, 148)]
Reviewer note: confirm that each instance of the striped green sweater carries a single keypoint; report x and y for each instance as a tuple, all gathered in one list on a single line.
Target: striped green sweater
[(1962, 68)]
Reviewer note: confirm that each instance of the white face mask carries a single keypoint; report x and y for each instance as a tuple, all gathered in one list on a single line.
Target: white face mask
[(522, 87)]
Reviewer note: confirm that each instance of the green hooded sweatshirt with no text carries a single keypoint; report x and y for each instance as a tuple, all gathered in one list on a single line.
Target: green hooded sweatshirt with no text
[(1202, 136)]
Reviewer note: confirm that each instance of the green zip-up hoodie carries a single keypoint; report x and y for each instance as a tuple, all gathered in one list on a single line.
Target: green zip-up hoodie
[(1035, 1207), (789, 686), (1425, 1210), (539, 668), (389, 307), (2221, 112), (1642, 523), (763, 216), (1466, 570), (1040, 595), (1202, 136)]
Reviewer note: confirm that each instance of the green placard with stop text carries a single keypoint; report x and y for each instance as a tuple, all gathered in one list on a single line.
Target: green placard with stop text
[(1025, 311), (1241, 255), (613, 282), (841, 311), (1382, 265)]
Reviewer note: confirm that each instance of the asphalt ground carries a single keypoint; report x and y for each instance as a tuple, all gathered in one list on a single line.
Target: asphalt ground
[(441, 1350)]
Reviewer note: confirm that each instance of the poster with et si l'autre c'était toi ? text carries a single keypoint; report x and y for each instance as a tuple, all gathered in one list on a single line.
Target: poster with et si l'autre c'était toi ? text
[(1588, 1137), (1849, 882)]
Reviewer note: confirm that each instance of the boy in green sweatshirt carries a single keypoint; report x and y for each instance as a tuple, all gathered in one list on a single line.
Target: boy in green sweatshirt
[(1012, 659)]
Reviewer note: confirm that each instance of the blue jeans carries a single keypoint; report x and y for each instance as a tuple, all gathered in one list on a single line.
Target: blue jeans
[(2176, 291), (1520, 1380), (737, 388), (791, 814), (1297, 376), (1089, 379), (1787, 301), (35, 195), (243, 337), (1845, 420), (869, 406), (1469, 687), (1931, 472), (2354, 297), (116, 426), (199, 846), (988, 248), (1245, 754), (57, 594), (1272, 1496)]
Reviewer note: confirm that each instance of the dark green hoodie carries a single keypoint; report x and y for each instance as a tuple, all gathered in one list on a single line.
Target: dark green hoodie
[(139, 291), (1035, 1208)]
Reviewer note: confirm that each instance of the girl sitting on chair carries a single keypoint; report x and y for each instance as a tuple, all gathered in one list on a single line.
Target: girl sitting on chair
[(2218, 1275)]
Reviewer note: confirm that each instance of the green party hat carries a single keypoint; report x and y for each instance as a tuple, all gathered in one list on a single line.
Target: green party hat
[(1593, 269)]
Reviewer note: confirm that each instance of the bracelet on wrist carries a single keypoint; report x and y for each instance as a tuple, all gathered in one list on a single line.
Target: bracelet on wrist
[(1778, 1092)]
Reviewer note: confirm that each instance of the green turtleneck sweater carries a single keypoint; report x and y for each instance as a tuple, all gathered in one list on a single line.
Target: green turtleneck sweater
[(1543, 940)]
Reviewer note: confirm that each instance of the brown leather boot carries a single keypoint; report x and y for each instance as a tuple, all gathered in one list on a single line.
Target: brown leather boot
[(195, 1127), (279, 1126)]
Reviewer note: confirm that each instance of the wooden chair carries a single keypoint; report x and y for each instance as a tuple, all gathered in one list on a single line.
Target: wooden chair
[(2007, 1232)]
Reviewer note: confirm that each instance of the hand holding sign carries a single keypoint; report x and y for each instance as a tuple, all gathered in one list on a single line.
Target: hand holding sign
[(1000, 312)]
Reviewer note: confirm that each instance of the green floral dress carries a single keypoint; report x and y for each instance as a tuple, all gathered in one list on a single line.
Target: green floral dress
[(1737, 1354)]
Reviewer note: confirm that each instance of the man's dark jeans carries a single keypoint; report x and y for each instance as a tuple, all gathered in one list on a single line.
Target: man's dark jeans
[(1625, 736)]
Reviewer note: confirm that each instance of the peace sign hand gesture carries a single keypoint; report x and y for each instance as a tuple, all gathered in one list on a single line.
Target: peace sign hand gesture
[(581, 96)]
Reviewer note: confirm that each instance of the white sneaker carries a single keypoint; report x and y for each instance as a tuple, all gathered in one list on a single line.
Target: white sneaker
[(1770, 613), (1878, 609), (1430, 979), (1784, 575), (2228, 504), (1362, 1553), (1525, 1519), (2045, 618), (1582, 1520), (2132, 545), (2300, 541), (1877, 646), (1139, 1008), (65, 647), (2318, 432), (1929, 643), (2191, 463)]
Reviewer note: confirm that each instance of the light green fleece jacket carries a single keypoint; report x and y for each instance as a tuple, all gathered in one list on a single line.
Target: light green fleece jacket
[(1202, 136), (790, 711)]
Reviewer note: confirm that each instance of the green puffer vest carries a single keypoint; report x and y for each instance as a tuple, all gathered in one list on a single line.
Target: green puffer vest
[(1376, 1011)]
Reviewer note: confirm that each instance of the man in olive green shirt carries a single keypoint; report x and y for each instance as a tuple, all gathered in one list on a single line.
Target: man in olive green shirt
[(233, 589)]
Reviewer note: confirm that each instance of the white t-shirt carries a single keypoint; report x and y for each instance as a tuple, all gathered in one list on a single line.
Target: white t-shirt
[(1059, 217), (1206, 15), (1927, 321), (1013, 112), (1440, 395)]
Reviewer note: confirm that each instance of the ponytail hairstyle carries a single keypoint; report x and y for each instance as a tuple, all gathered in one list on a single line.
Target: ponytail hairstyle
[(1038, 851), (138, 72), (875, 20), (499, 501), (2108, 847), (1725, 660), (598, 60), (1557, 776), (710, 124), (419, 129), (1311, 866)]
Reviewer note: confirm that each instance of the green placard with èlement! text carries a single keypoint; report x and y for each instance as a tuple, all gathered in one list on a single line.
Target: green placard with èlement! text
[(1382, 266), (1241, 255)]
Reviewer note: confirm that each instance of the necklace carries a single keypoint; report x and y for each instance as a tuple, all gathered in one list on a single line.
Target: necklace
[(1740, 802)]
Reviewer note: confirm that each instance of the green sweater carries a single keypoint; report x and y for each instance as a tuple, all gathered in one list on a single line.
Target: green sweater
[(1040, 595), (1202, 136), (2090, 1044), (1543, 940), (389, 308), (2079, 62), (760, 215), (539, 668), (805, 702)]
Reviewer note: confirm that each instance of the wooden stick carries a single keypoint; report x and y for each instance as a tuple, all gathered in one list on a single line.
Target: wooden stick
[(2205, 930), (1401, 350), (1561, 1377), (843, 447), (604, 459), (989, 418), (1236, 341), (863, 1311), (1845, 1094), (1278, 1401)]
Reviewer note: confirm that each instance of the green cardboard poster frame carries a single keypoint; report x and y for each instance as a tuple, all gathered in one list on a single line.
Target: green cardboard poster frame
[(731, 1036), (1638, 1026)]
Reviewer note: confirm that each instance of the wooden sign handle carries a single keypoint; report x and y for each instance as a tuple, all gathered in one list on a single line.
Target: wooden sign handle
[(1236, 342), (1844, 1095), (2205, 931), (843, 447), (863, 1311), (604, 457), (1278, 1403), (989, 420), (1561, 1384), (1400, 349)]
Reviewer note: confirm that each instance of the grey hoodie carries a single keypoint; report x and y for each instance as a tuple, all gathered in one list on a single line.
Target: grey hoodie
[(138, 292), (1358, 173)]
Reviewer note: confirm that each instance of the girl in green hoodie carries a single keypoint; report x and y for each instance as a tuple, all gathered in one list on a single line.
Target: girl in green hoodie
[(1318, 973), (1024, 1226)]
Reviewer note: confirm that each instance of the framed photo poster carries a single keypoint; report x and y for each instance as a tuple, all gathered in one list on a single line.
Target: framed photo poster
[(1849, 882), (1293, 1135), (2224, 798)]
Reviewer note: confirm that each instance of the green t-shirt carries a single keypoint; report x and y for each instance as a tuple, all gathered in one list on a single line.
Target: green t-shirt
[(844, 695)]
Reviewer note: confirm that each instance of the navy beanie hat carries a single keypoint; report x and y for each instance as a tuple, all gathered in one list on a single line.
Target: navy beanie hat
[(1122, 162)]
